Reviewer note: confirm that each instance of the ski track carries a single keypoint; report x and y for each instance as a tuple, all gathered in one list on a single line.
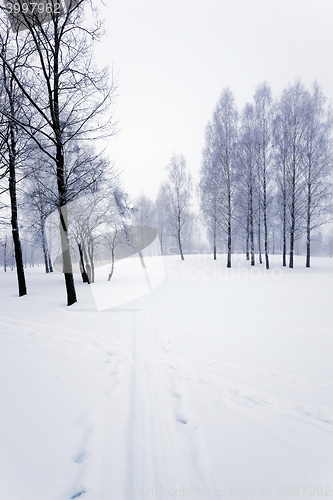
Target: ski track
[(167, 440), (151, 457)]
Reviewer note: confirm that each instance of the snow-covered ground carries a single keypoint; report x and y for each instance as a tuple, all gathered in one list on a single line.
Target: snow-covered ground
[(218, 383)]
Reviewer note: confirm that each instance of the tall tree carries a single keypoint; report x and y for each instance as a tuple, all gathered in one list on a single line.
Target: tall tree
[(14, 146), (209, 188), (178, 193), (281, 155), (317, 165), (264, 118), (247, 154), (225, 123), (160, 218), (293, 114)]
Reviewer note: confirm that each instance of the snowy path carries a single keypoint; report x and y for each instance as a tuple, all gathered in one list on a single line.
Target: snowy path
[(149, 448)]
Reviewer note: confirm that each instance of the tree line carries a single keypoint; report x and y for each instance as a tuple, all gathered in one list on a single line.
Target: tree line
[(56, 106), (272, 162), (266, 174)]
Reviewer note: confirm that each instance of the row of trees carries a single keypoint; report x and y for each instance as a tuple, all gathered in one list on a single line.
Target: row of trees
[(266, 174), (55, 106), (272, 162)]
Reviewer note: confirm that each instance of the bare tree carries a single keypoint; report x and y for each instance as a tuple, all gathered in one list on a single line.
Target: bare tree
[(247, 154), (143, 211), (92, 221), (14, 146), (218, 174), (293, 114), (37, 207), (160, 217), (281, 156), (264, 118), (178, 193), (225, 123), (318, 165), (209, 191)]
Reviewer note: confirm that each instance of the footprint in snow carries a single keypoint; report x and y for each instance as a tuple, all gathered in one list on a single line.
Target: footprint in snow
[(180, 417), (109, 357), (182, 420), (77, 495), (82, 457)]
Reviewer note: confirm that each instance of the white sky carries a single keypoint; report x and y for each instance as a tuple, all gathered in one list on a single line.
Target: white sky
[(172, 59)]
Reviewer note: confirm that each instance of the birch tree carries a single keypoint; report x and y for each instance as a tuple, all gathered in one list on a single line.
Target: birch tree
[(178, 194), (209, 188), (160, 218), (281, 155), (264, 118), (225, 123), (293, 115), (318, 165), (247, 154)]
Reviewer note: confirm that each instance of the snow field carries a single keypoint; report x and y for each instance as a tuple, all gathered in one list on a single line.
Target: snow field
[(218, 385)]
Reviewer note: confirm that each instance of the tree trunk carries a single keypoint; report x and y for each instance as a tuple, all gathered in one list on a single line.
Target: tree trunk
[(5, 255), (308, 225), (45, 252), (50, 262), (252, 247), (229, 223), (247, 235), (91, 257), (14, 222), (179, 242), (292, 220), (214, 239), (292, 241), (284, 231), (87, 263), (284, 222), (265, 220), (251, 225), (67, 262), (46, 260), (259, 233), (229, 245), (161, 242), (112, 264), (82, 267)]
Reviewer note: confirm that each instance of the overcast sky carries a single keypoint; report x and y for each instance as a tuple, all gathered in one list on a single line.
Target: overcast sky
[(172, 58)]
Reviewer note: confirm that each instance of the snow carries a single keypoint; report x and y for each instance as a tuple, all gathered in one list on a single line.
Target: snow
[(217, 383)]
